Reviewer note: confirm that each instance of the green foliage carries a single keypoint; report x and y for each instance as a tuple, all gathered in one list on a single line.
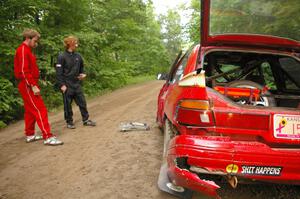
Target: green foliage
[(119, 40), (172, 33), (194, 24), (9, 100)]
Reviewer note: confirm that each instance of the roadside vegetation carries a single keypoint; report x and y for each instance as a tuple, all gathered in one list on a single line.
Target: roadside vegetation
[(121, 41)]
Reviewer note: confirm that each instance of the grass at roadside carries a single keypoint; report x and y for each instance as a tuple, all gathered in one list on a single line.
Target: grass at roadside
[(140, 79), (132, 80)]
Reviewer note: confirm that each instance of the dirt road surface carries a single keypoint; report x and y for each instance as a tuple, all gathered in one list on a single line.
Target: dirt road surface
[(100, 162)]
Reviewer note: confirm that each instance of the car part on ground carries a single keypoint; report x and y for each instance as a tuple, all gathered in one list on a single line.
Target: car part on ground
[(132, 126)]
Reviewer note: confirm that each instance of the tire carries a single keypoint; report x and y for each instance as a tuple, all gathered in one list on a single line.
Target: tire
[(168, 134), (263, 101)]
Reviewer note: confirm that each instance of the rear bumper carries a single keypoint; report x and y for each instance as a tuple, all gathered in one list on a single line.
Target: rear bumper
[(191, 181), (221, 156)]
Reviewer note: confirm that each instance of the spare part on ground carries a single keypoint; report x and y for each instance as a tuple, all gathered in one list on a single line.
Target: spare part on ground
[(131, 126)]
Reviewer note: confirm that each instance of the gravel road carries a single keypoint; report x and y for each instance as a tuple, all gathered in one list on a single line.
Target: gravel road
[(101, 162)]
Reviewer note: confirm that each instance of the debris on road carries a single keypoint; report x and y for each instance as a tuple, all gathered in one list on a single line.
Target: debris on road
[(131, 126)]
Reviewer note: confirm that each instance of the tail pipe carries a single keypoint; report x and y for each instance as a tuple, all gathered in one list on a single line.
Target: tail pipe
[(232, 180)]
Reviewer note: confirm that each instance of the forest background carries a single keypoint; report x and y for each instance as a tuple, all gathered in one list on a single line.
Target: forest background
[(121, 41)]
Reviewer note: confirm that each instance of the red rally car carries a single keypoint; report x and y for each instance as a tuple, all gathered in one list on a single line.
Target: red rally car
[(230, 107)]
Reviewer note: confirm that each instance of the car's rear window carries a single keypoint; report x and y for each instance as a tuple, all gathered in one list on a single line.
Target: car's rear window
[(277, 18)]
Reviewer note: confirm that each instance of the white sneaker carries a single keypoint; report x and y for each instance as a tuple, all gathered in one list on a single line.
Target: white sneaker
[(53, 141), (33, 138)]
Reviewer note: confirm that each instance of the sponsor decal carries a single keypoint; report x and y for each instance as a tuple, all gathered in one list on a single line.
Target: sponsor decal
[(232, 168), (261, 170)]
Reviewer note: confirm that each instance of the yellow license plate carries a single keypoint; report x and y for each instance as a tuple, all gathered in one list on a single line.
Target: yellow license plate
[(286, 126)]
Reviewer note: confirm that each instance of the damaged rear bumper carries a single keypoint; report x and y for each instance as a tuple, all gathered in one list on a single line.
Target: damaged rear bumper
[(193, 159)]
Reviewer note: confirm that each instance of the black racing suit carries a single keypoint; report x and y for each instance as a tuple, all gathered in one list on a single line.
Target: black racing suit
[(68, 67)]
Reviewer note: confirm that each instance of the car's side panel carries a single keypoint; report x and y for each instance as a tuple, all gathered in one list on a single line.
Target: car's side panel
[(171, 100), (192, 61), (160, 104)]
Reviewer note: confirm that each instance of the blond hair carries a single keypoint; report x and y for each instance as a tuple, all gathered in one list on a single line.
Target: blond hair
[(30, 33), (70, 40)]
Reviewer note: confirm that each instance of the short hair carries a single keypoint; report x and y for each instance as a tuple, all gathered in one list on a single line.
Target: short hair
[(69, 40), (30, 33)]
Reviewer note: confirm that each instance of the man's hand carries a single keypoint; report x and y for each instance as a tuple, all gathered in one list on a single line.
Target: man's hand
[(63, 88), (81, 76), (35, 90)]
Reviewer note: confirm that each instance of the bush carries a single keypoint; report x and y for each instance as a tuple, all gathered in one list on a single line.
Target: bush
[(10, 102)]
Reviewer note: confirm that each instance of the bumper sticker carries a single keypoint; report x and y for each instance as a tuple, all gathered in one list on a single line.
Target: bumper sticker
[(261, 170), (232, 168)]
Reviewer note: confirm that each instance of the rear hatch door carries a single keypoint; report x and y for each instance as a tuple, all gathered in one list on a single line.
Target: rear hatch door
[(259, 23)]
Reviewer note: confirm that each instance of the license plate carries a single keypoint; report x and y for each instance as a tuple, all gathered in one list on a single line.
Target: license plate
[(286, 126)]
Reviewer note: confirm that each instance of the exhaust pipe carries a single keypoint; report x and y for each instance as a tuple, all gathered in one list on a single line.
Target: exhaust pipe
[(233, 181)]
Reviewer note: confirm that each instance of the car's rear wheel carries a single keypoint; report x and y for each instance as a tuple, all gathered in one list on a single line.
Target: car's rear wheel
[(164, 181), (168, 134), (262, 101)]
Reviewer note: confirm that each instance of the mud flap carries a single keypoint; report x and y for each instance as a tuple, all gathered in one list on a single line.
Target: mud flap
[(163, 180)]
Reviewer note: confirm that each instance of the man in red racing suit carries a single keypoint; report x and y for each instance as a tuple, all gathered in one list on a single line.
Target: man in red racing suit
[(27, 73)]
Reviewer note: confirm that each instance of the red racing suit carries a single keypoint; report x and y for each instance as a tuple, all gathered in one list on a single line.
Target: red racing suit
[(27, 73)]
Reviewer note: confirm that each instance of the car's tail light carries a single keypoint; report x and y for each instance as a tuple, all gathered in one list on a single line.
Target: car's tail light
[(194, 104), (194, 113)]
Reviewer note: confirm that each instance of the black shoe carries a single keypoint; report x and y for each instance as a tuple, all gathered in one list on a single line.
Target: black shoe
[(71, 126), (89, 123)]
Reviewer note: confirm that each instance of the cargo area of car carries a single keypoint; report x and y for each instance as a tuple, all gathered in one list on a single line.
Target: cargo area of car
[(255, 78)]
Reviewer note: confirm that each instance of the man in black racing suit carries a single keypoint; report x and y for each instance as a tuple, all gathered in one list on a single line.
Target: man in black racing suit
[(69, 74)]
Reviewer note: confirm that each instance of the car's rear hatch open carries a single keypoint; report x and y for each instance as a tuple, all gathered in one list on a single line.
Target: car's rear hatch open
[(259, 23)]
